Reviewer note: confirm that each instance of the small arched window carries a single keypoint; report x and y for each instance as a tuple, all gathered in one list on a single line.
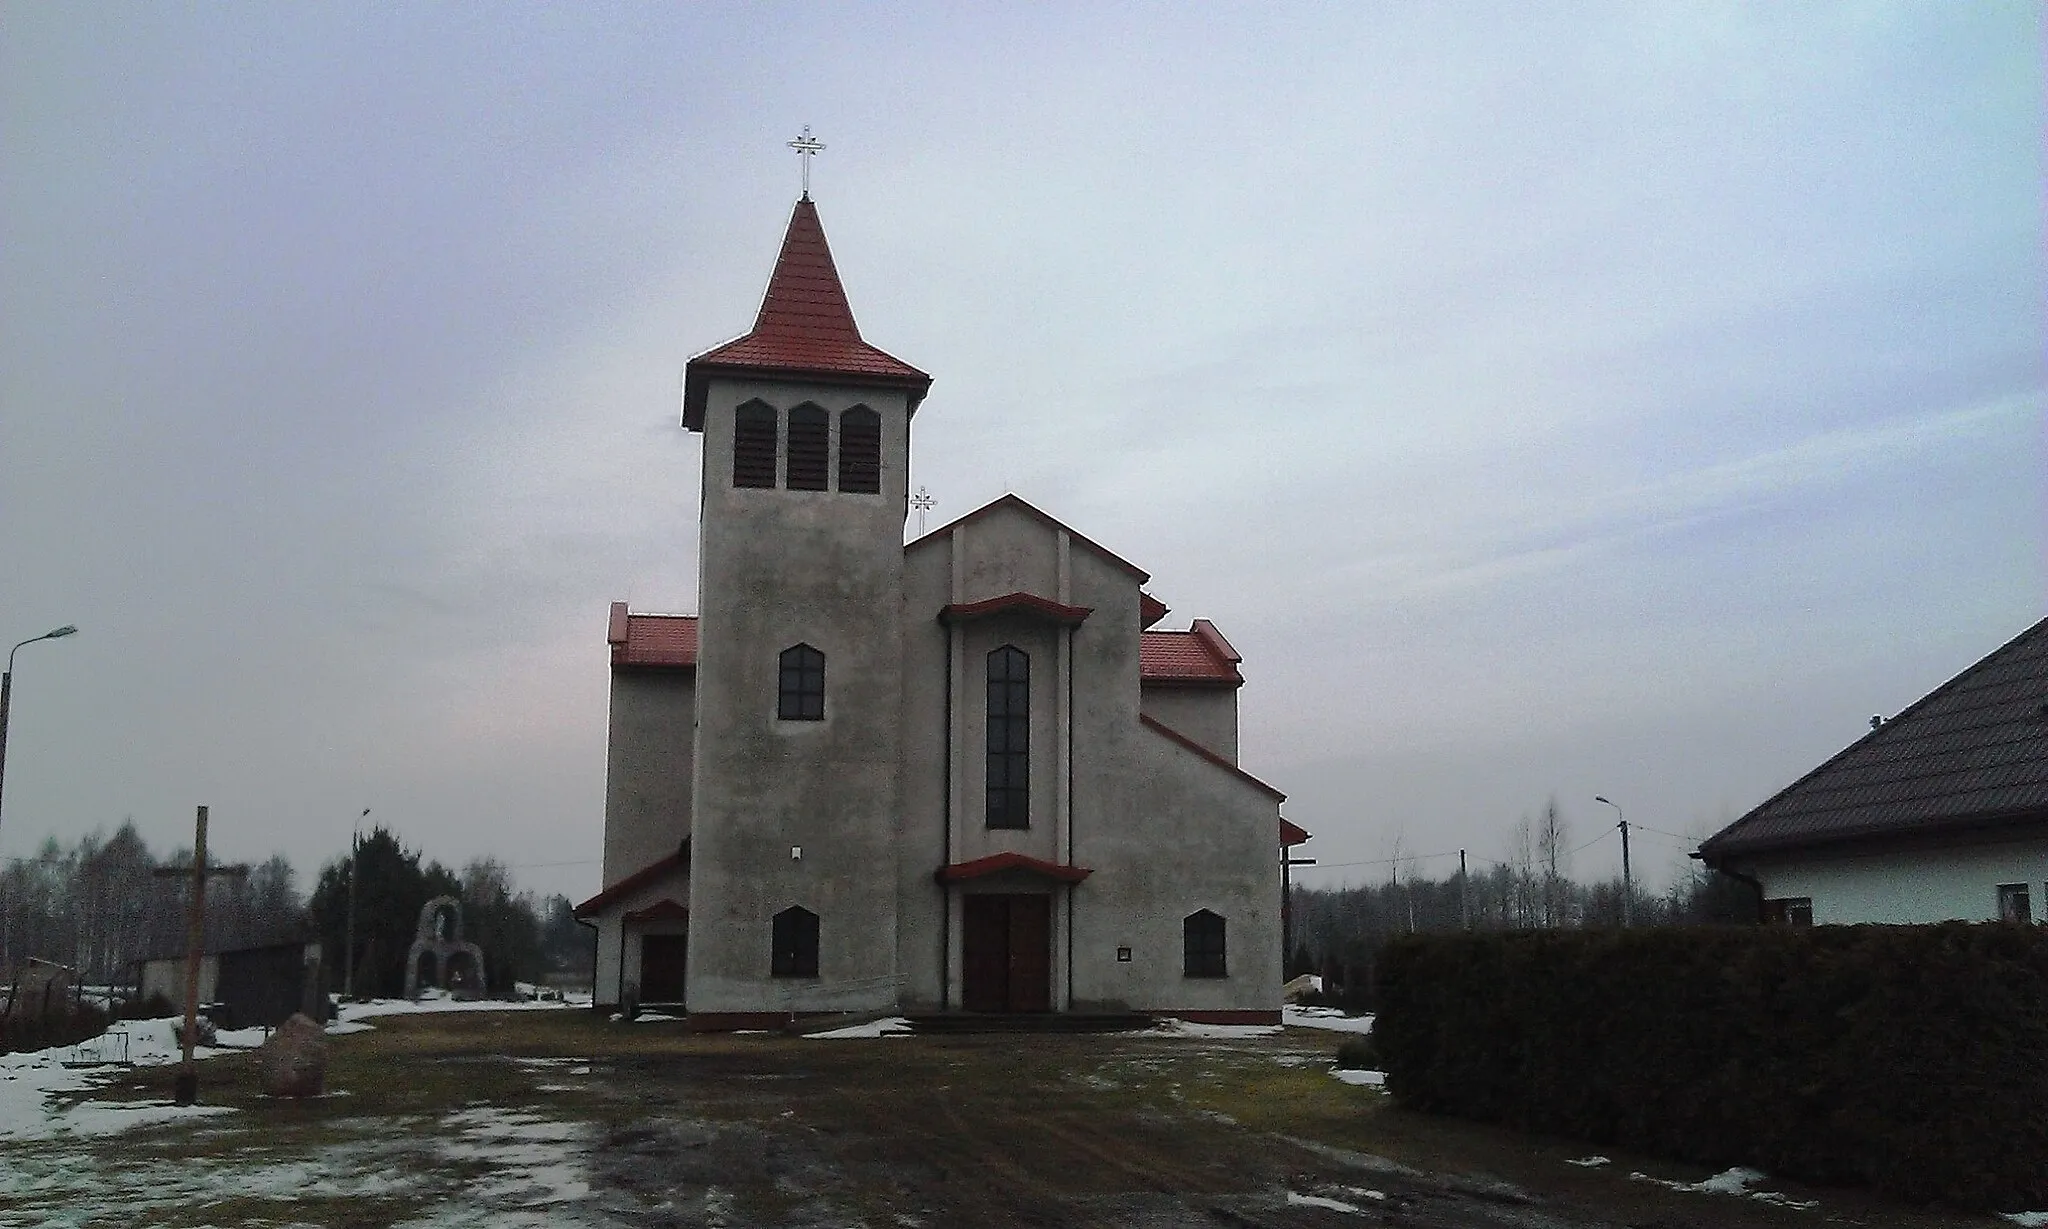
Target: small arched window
[(810, 448), (1009, 738), (794, 936), (860, 451), (1202, 945), (753, 445), (800, 691)]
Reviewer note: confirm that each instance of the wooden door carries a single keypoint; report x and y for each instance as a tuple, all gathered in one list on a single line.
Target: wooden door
[(663, 962), (1006, 953)]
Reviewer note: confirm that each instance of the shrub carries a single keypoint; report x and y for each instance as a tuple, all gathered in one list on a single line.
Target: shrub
[(1359, 1053), (1913, 1059)]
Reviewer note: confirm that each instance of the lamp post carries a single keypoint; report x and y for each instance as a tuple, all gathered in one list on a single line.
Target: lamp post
[(355, 867), (7, 695), (1628, 889)]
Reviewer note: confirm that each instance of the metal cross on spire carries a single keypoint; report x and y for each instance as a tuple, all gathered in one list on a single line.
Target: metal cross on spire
[(807, 148), (924, 503)]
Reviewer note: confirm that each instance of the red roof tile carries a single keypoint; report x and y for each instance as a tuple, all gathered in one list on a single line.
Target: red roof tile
[(1198, 657), (1291, 833), (805, 328), (652, 639), (1016, 603), (1150, 610), (679, 860)]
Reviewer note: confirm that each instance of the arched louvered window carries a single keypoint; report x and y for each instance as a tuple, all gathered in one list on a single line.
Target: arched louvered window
[(860, 451), (794, 936), (1009, 738), (1202, 945), (753, 445), (800, 693), (810, 448)]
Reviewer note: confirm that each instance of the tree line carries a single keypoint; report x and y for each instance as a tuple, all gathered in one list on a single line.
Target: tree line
[(1337, 932), (99, 906)]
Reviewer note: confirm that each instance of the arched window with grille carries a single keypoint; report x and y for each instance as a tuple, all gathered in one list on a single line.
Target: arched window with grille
[(860, 451), (794, 939), (800, 690), (1009, 738), (1202, 945), (753, 445), (810, 448)]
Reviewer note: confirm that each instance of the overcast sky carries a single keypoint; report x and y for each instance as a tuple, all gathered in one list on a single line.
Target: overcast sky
[(1547, 400)]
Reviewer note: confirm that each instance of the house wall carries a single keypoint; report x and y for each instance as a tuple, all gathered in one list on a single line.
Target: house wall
[(618, 948), (781, 567), (167, 977), (647, 768), (1206, 714), (1958, 882)]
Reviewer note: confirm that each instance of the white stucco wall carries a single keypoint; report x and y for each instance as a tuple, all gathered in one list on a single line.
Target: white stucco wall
[(647, 768), (1206, 714), (1959, 882), (618, 952)]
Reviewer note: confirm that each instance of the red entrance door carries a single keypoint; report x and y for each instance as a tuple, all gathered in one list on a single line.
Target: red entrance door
[(1006, 948), (664, 961)]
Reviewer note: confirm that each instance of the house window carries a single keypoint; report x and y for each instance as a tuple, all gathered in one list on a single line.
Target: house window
[(1202, 945), (800, 695), (1009, 738), (796, 943), (753, 445), (810, 448), (1789, 911), (2014, 905), (860, 451)]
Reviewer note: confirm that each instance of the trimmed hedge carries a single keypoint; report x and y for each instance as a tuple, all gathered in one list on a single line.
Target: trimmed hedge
[(1911, 1059)]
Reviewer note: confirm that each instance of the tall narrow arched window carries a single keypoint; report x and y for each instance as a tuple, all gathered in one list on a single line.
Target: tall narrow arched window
[(1202, 945), (810, 448), (1009, 738), (794, 939), (860, 451), (800, 688), (753, 445)]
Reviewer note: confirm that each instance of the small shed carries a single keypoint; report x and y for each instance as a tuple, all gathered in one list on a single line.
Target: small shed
[(244, 987)]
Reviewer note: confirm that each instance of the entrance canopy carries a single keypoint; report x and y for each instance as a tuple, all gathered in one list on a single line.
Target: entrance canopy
[(995, 864)]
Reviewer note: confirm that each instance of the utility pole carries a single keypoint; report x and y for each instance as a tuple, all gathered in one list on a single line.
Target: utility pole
[(1628, 887), (1287, 866), (187, 1086), (355, 868), (1464, 895), (7, 692)]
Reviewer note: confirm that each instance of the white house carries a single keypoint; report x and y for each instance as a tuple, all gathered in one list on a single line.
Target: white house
[(1940, 813), (961, 774)]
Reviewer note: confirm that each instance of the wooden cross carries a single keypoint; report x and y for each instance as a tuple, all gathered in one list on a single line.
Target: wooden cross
[(187, 1086), (807, 148)]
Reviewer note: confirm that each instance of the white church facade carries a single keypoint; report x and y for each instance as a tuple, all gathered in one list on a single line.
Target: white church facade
[(960, 775)]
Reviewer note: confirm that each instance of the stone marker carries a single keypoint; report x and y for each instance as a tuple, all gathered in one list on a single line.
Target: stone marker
[(294, 1059)]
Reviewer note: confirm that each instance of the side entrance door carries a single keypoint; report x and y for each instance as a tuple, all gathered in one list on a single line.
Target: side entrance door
[(1006, 948), (662, 965)]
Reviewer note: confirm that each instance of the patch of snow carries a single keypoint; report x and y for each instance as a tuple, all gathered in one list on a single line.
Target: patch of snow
[(655, 1017), (1297, 1200), (2032, 1220), (889, 1027), (1330, 1019), (1363, 1193), (1176, 1027), (342, 1028), (1365, 1079), (438, 1001), (1736, 1181), (1589, 1162), (28, 1082), (240, 1038)]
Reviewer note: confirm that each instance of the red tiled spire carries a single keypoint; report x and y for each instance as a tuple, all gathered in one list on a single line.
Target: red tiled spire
[(805, 328)]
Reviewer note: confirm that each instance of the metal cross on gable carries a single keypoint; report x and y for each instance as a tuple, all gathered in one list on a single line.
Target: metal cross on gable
[(924, 503), (807, 147)]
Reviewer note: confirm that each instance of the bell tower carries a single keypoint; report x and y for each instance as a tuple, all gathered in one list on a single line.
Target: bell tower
[(806, 433)]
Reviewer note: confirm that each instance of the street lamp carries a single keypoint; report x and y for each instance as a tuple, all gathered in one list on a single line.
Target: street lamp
[(1628, 890), (7, 693), (355, 867)]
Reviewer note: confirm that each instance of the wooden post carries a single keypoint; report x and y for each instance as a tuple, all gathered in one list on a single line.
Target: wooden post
[(187, 1090)]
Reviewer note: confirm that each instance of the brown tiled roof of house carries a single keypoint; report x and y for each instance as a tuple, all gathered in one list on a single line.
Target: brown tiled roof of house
[(1972, 753), (1198, 657), (804, 330), (652, 639)]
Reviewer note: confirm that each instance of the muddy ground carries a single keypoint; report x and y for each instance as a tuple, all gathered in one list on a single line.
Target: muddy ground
[(564, 1118)]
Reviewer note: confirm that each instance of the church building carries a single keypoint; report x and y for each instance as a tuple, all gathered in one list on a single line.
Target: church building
[(960, 775)]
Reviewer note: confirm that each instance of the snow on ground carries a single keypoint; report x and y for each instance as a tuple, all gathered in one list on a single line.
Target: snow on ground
[(2032, 1220), (438, 1001), (890, 1026), (1366, 1079), (1588, 1162), (1176, 1027), (1328, 1018), (28, 1082), (1736, 1181), (1295, 1199)]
